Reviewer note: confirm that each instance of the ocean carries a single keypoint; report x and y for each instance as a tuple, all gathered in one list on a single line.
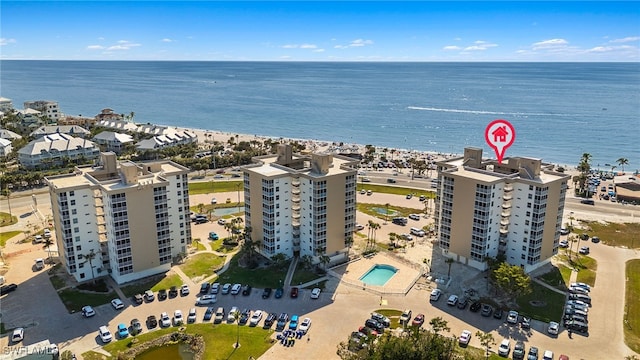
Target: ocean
[(559, 110)]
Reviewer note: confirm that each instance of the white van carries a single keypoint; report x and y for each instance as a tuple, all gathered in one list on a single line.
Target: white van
[(548, 355), (39, 263), (417, 232)]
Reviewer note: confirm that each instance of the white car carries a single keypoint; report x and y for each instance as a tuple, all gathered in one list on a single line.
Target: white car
[(231, 317), (191, 318), (18, 335), (235, 289), (435, 294), (165, 321), (414, 216), (512, 317), (553, 328), (206, 300), (359, 226), (315, 293), (563, 244), (255, 318), (87, 311), (184, 290), (581, 284), (453, 300), (305, 325), (578, 290), (505, 348), (117, 304), (105, 334), (465, 337), (177, 317)]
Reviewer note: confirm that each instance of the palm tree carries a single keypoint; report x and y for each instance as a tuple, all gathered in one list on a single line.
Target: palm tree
[(449, 261), (622, 162), (236, 317), (348, 241), (47, 244), (89, 259), (325, 260), (386, 212), (392, 238)]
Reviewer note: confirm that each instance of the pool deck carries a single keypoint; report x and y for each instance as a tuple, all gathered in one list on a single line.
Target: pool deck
[(399, 284)]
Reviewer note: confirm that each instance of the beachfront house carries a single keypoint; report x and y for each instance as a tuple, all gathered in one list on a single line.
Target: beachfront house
[(47, 108), (73, 130), (56, 150), (5, 147), (113, 141)]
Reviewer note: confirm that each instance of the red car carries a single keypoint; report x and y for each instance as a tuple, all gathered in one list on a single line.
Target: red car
[(294, 292), (418, 320)]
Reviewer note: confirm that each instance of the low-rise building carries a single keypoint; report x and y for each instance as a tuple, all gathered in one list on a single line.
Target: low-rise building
[(73, 130), (113, 141), (5, 147), (56, 149), (48, 108), (167, 140), (9, 135)]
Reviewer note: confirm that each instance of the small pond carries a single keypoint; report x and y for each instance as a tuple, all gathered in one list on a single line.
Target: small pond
[(227, 211), (383, 211)]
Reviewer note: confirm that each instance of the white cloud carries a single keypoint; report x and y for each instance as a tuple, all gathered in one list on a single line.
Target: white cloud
[(123, 45), (290, 46), (451, 48), (167, 40), (480, 46), (318, 50), (300, 46), (355, 43), (5, 41), (550, 44), (308, 46), (627, 39), (95, 47)]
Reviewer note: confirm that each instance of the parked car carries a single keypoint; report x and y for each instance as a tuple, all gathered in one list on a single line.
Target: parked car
[(414, 216), (563, 244), (381, 319), (208, 314), (105, 334), (435, 294), (235, 289), (226, 288), (533, 353), (184, 290), (418, 320), (123, 331), (271, 318), (204, 288), (581, 284), (487, 310), (462, 303), (17, 335), (505, 348), (244, 316), (162, 294), (595, 239), (219, 315), (215, 288), (578, 290), (152, 322), (266, 293), (584, 250), (498, 313), (173, 291), (191, 317), (518, 351), (279, 293), (117, 304), (525, 323), (148, 296), (87, 311), (165, 320), (177, 318), (581, 297), (512, 317), (547, 355), (294, 292), (136, 327), (564, 231), (221, 222), (138, 299), (231, 317), (374, 325), (246, 290), (315, 293), (255, 318), (453, 300), (305, 325), (475, 306), (282, 321), (553, 328), (465, 337), (293, 323), (405, 317)]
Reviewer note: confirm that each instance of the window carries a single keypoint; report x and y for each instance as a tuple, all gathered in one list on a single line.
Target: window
[(75, 220), (74, 211), (76, 230), (82, 276), (71, 193), (79, 247), (73, 202)]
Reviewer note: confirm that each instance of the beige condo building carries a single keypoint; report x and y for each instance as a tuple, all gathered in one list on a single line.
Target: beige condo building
[(301, 205), (128, 220), (485, 208)]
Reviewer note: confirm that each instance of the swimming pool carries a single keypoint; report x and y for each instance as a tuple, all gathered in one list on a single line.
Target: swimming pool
[(378, 275)]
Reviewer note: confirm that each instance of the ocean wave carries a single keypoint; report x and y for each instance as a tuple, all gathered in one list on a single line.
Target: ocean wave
[(483, 112)]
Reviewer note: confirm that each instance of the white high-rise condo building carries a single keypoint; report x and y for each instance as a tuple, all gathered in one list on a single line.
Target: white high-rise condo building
[(485, 208), (129, 220), (301, 205)]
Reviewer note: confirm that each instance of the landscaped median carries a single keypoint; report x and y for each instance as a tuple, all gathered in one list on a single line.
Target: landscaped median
[(218, 341), (632, 306)]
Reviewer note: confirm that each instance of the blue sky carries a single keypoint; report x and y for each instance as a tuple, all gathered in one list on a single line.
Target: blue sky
[(321, 31)]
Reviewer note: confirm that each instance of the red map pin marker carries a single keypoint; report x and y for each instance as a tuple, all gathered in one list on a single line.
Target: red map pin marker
[(500, 134)]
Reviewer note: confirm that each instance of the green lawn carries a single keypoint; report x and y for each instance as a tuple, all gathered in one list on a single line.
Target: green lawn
[(393, 315), (558, 277), (616, 234), (74, 300), (632, 306), (217, 245), (260, 277), (154, 283), (586, 267), (396, 190), (370, 209), (303, 275), (551, 310), (202, 265), (207, 187), (4, 236), (6, 219), (219, 340)]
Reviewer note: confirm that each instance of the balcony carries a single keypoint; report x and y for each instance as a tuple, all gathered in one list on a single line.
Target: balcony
[(505, 222), (506, 205), (295, 191), (507, 197), (508, 188), (505, 213), (504, 230)]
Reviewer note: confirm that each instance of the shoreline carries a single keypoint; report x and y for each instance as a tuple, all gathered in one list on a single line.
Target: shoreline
[(327, 146)]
